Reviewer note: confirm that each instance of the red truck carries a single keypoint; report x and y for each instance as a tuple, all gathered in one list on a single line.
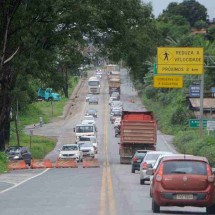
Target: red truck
[(138, 131)]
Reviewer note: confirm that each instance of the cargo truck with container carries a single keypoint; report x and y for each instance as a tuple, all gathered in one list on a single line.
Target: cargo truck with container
[(114, 85), (138, 130)]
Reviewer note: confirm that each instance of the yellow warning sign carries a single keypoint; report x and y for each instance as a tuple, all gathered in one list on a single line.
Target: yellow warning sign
[(180, 60), (168, 81)]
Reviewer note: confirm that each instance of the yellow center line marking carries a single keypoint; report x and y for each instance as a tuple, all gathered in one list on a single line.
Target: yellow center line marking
[(107, 186)]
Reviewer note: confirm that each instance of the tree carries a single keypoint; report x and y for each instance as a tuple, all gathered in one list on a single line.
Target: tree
[(192, 10)]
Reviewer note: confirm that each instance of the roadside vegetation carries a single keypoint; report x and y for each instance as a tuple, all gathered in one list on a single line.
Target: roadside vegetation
[(61, 42), (39, 146)]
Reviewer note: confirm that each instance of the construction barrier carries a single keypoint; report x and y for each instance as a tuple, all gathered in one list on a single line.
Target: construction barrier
[(40, 164), (15, 165), (68, 163), (91, 163)]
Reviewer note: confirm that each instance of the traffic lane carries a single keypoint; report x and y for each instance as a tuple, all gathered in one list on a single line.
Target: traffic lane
[(129, 96), (59, 191), (130, 196), (14, 178)]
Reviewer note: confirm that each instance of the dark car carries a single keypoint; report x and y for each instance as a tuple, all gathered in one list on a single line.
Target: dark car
[(137, 159), (19, 153), (183, 181), (91, 112), (93, 100)]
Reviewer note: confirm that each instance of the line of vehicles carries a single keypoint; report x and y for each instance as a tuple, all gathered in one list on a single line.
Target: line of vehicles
[(86, 144), (175, 179)]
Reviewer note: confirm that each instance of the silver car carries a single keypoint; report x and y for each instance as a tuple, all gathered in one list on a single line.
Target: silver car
[(148, 162), (87, 148)]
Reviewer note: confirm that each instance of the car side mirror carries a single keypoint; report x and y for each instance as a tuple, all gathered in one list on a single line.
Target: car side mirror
[(150, 172), (74, 129), (213, 172)]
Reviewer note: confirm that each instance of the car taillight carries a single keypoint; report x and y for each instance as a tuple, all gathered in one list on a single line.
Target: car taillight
[(209, 173), (160, 173), (135, 159), (144, 166)]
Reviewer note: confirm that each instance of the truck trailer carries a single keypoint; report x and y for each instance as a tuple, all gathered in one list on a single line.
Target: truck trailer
[(138, 130)]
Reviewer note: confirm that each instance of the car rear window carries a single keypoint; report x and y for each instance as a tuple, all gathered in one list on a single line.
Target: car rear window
[(185, 167), (140, 155)]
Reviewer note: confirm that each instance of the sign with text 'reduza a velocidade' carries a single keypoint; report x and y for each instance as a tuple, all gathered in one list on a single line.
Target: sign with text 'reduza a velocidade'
[(180, 60)]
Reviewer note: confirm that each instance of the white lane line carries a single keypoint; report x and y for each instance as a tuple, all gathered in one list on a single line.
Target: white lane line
[(16, 185)]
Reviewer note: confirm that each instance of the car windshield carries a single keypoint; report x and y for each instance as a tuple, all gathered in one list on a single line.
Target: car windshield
[(91, 111), (116, 113), (140, 155), (69, 148), (87, 144), (88, 118), (185, 167), (83, 129), (14, 150), (93, 83), (84, 138)]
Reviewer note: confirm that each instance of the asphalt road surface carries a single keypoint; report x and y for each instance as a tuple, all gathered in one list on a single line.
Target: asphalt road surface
[(109, 190)]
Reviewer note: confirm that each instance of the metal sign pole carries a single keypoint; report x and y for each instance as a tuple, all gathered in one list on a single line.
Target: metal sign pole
[(201, 106)]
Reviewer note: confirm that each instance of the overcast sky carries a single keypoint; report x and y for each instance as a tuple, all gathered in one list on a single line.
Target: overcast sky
[(160, 5)]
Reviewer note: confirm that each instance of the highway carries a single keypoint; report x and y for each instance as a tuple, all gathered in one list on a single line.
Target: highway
[(109, 190)]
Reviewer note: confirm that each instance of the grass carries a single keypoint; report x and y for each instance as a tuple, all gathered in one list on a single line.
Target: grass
[(40, 146)]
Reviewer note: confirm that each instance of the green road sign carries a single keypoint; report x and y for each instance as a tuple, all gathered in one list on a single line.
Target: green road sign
[(194, 123)]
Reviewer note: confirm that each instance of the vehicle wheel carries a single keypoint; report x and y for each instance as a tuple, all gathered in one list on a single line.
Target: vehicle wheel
[(142, 182), (155, 207), (211, 209), (132, 170)]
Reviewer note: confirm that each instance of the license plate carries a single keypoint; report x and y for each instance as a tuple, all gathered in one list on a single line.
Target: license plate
[(184, 196)]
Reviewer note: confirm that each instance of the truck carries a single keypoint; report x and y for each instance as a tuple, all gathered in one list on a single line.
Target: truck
[(84, 130), (138, 130), (48, 94), (114, 85)]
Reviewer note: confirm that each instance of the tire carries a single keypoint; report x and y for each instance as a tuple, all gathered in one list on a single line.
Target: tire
[(132, 170), (210, 209), (155, 207), (142, 182)]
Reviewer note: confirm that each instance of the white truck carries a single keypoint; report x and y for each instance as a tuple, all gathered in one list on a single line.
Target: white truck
[(85, 130)]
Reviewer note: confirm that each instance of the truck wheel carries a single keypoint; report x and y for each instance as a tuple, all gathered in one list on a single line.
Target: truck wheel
[(155, 207)]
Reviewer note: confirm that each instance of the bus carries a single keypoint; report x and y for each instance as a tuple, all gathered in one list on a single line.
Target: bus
[(94, 85)]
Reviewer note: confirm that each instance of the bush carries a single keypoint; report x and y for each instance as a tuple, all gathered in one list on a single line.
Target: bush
[(150, 93), (3, 159)]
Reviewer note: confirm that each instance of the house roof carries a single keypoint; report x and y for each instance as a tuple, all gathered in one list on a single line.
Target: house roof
[(208, 103)]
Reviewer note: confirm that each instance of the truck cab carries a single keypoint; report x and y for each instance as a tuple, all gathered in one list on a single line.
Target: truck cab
[(85, 130)]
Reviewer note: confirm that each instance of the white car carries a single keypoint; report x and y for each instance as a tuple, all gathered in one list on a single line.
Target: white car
[(88, 119), (71, 151), (117, 122), (148, 162), (87, 148)]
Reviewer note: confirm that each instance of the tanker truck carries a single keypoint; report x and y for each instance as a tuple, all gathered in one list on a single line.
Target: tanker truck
[(138, 130)]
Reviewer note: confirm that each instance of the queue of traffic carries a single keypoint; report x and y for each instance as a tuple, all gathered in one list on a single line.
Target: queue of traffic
[(86, 144), (175, 179)]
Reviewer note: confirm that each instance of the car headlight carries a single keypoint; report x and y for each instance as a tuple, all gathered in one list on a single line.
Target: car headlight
[(76, 154)]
